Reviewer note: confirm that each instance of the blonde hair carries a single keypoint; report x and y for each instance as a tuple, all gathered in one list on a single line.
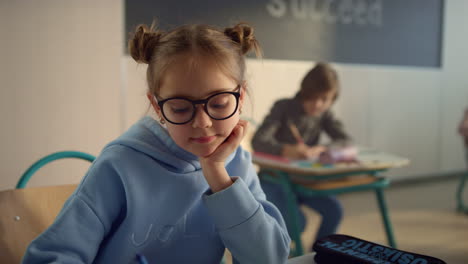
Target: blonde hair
[(160, 49)]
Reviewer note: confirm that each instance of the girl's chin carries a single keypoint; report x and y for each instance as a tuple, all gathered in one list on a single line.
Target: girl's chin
[(203, 152)]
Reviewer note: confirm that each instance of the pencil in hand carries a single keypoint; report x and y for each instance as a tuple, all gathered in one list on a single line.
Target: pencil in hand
[(295, 133)]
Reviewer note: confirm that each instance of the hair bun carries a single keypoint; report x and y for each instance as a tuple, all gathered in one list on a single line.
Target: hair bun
[(141, 46), (243, 34)]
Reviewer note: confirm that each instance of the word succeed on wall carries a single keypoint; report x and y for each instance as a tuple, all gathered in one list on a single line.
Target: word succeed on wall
[(389, 32), (330, 11)]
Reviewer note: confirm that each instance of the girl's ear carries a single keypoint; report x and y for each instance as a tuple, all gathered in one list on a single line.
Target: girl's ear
[(154, 103)]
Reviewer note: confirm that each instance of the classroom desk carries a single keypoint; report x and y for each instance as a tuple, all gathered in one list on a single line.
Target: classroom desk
[(310, 179), (369, 160), (304, 259)]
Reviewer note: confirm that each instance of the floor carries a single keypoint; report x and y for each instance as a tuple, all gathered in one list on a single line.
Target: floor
[(423, 215)]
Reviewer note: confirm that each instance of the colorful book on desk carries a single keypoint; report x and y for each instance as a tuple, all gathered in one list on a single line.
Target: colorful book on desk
[(307, 163)]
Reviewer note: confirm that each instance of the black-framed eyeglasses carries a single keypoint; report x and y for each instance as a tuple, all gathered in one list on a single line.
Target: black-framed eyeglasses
[(218, 106)]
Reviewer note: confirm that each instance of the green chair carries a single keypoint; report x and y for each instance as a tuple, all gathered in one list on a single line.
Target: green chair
[(461, 207), (291, 185), (49, 158)]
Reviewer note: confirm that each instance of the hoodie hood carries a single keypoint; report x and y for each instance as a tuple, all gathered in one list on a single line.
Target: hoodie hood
[(151, 138)]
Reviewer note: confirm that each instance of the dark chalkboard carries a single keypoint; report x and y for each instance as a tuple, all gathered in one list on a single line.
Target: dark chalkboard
[(389, 32)]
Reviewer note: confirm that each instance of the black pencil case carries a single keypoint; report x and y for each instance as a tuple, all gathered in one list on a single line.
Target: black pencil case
[(344, 249)]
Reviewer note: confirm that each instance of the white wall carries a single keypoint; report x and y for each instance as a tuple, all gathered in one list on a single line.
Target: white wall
[(60, 81), (61, 89)]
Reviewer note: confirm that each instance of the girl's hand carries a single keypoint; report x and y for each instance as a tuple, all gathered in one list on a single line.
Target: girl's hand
[(302, 151), (294, 151), (229, 145), (213, 165), (315, 151)]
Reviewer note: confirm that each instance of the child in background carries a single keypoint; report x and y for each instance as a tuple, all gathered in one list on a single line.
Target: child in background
[(180, 190), (463, 131), (292, 129)]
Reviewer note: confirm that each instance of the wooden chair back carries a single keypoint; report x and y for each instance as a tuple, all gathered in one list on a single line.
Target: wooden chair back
[(24, 214)]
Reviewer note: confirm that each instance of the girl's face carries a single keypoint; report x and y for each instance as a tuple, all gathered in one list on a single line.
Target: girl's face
[(318, 105), (202, 135)]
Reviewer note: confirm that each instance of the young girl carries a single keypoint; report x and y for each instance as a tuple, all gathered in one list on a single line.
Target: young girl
[(293, 129), (180, 190)]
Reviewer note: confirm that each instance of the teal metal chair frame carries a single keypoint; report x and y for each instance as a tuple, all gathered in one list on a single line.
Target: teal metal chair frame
[(461, 207), (291, 188), (49, 158)]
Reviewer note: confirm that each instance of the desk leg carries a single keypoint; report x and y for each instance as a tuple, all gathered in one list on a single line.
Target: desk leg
[(293, 217), (385, 218)]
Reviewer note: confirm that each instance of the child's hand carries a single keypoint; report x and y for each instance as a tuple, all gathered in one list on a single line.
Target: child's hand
[(295, 151), (315, 151), (302, 151), (213, 165), (229, 145)]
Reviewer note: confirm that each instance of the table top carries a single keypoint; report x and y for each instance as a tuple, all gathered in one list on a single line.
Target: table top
[(304, 259), (368, 160)]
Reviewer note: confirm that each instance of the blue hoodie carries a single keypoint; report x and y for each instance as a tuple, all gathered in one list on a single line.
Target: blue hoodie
[(146, 195)]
